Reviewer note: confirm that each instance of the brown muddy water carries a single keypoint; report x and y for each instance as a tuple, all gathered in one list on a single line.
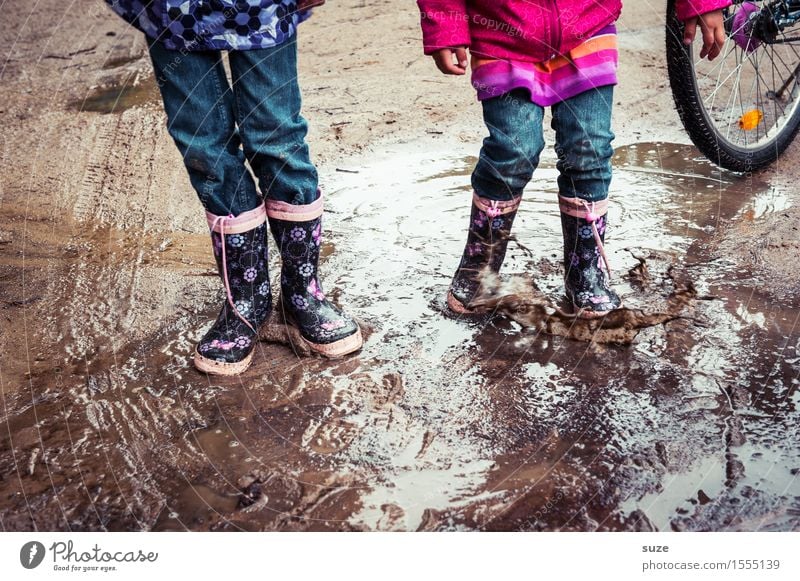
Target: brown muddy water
[(120, 92), (679, 414)]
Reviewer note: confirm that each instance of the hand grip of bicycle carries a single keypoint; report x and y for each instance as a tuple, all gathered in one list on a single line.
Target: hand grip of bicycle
[(712, 26)]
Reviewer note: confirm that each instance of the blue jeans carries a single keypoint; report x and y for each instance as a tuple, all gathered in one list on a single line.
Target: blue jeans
[(511, 152), (217, 125)]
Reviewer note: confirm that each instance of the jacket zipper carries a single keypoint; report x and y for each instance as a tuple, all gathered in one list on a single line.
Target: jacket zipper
[(556, 23)]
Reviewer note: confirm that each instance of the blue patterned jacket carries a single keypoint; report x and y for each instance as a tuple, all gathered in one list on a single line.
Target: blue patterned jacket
[(215, 24)]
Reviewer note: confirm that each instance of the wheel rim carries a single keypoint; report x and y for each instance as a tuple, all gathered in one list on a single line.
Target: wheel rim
[(750, 93)]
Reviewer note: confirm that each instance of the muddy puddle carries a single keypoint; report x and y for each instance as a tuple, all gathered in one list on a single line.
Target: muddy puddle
[(119, 93), (681, 415)]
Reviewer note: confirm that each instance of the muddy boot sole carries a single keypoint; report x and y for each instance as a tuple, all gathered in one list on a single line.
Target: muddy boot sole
[(339, 348), (212, 367), (460, 308), (586, 314)]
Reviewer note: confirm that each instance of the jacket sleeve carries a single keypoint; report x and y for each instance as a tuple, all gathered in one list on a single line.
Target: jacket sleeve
[(445, 24), (309, 4), (686, 9)]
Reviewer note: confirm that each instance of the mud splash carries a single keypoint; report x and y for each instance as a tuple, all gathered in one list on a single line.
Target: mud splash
[(680, 415), (523, 303)]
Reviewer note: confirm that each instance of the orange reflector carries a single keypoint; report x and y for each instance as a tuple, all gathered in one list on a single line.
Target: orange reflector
[(750, 120)]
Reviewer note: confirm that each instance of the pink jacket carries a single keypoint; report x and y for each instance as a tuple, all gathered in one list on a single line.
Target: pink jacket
[(526, 30)]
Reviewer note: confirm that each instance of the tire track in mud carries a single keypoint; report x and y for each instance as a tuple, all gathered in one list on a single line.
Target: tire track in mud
[(106, 276), (92, 190), (88, 274), (101, 437)]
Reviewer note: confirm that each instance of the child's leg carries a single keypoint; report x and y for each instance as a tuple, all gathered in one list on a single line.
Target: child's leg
[(273, 133), (508, 158), (273, 130), (201, 120), (583, 144), (511, 152)]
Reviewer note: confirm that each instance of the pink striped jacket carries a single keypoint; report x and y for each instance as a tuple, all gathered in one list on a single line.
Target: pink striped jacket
[(526, 30)]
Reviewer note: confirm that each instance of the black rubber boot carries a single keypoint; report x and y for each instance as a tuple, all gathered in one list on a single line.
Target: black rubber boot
[(586, 283), (240, 248), (489, 228), (298, 232)]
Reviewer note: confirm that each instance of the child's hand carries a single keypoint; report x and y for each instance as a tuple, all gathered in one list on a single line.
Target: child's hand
[(712, 25), (451, 61)]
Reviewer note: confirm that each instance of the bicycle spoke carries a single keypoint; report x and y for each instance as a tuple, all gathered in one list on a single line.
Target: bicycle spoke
[(749, 96), (750, 91)]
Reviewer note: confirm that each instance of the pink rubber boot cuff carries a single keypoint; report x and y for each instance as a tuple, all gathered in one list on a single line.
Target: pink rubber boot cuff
[(293, 212), (493, 208), (237, 224)]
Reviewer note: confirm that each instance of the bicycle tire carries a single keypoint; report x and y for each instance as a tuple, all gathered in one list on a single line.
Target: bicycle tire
[(695, 120)]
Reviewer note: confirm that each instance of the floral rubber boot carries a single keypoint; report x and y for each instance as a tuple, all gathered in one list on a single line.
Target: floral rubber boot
[(489, 228), (297, 230), (240, 248), (586, 283)]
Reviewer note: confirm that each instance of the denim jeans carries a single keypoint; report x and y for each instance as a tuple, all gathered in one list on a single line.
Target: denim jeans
[(511, 152), (217, 125)]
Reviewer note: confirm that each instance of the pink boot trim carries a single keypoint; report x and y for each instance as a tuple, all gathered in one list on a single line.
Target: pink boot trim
[(493, 208), (577, 208), (231, 224), (293, 212)]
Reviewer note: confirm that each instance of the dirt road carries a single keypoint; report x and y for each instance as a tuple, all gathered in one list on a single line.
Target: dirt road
[(681, 415)]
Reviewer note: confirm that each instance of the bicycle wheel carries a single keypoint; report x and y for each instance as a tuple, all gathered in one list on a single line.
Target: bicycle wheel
[(741, 110)]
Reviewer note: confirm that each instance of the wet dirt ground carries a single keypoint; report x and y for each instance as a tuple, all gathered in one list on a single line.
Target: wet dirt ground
[(680, 413)]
